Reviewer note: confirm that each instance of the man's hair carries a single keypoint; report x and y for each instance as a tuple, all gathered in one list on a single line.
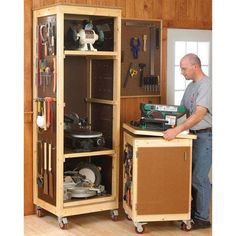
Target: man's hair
[(193, 59)]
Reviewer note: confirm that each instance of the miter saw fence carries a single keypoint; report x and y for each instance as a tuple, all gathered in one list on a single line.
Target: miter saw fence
[(160, 117)]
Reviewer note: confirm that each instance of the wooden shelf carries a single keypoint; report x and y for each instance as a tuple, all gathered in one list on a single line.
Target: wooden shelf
[(109, 54), (139, 131), (97, 199), (108, 152)]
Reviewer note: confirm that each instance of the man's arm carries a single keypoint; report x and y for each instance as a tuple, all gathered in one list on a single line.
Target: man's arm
[(196, 117)]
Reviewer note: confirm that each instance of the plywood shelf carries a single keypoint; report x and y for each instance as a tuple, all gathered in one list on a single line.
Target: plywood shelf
[(101, 54), (108, 152)]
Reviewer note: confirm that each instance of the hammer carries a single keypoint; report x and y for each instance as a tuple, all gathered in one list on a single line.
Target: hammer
[(141, 68)]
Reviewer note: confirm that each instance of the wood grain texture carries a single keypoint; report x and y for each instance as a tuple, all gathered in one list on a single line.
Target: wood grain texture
[(100, 224), (130, 6), (144, 9), (164, 65), (28, 162), (28, 170), (192, 14), (157, 9), (27, 56)]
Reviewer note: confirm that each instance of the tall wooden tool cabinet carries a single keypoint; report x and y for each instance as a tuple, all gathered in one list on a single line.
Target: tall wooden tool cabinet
[(156, 177), (72, 80)]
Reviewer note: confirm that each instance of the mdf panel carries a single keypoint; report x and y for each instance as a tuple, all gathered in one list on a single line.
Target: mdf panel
[(163, 180)]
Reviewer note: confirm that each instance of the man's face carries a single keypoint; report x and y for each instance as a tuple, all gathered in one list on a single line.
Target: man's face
[(187, 69)]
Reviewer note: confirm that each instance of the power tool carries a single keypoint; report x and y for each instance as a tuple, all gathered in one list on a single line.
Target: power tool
[(160, 117)]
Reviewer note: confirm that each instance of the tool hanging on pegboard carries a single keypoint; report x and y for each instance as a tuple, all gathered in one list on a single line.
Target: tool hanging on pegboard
[(135, 46), (128, 173), (131, 72), (151, 82)]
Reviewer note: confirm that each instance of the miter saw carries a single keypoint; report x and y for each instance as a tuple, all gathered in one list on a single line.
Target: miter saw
[(160, 117), (82, 182)]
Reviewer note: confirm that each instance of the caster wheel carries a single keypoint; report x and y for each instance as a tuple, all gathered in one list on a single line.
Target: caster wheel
[(128, 217), (63, 223), (139, 229), (39, 212), (185, 227), (63, 226), (114, 215)]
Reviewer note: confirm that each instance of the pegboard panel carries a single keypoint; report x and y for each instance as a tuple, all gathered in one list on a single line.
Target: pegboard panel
[(140, 58)]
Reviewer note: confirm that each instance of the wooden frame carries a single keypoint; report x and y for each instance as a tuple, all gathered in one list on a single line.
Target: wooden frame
[(152, 159), (61, 208)]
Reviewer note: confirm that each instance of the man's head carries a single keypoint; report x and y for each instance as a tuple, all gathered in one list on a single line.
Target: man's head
[(190, 66)]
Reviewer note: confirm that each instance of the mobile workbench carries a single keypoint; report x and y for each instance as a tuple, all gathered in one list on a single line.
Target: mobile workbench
[(156, 177)]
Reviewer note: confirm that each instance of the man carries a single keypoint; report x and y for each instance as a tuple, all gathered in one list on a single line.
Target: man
[(198, 101)]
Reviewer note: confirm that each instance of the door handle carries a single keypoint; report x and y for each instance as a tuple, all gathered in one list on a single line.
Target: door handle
[(185, 156)]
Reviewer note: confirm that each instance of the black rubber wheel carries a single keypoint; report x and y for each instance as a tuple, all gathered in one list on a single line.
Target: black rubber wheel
[(63, 226), (114, 217), (39, 212), (140, 229), (185, 227)]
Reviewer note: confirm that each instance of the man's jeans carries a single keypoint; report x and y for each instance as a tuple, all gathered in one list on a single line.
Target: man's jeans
[(201, 187)]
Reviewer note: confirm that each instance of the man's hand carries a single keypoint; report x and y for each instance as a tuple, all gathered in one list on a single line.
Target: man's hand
[(190, 122), (171, 134)]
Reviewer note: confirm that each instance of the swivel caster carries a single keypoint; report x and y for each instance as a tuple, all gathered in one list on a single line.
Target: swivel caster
[(63, 223), (139, 227), (114, 215), (39, 211), (128, 217), (186, 225)]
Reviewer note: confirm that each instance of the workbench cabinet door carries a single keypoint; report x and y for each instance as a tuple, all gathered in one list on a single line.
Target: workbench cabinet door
[(163, 180)]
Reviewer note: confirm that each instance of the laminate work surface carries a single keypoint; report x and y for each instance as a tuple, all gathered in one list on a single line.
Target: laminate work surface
[(100, 224)]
